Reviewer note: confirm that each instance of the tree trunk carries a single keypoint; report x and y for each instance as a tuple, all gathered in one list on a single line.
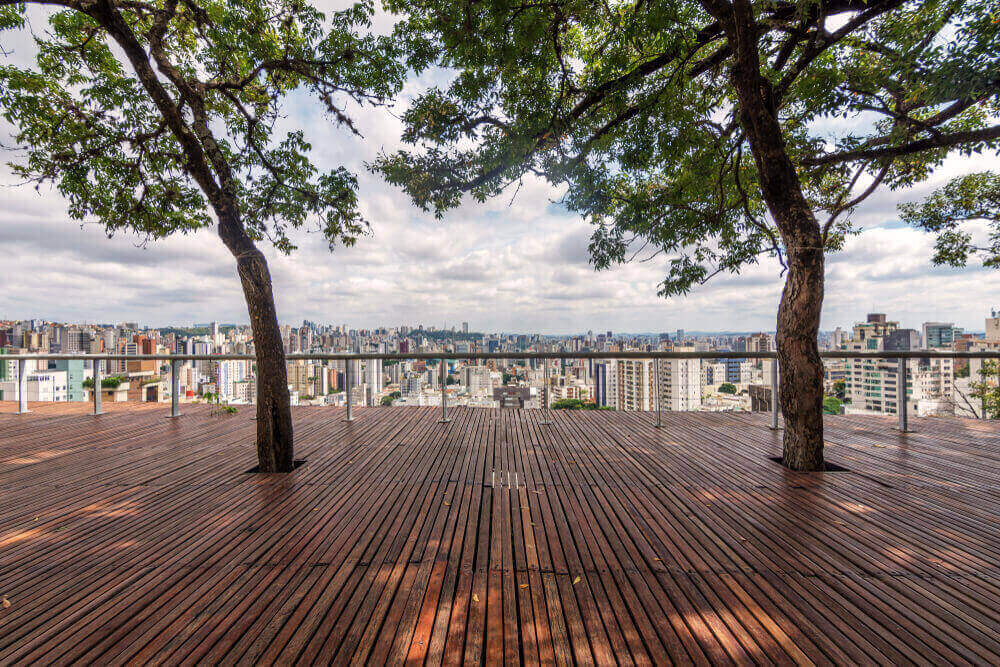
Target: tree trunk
[(274, 414), (800, 366)]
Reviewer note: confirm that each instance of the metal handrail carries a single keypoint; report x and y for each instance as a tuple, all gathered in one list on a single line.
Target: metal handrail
[(435, 356), (443, 357)]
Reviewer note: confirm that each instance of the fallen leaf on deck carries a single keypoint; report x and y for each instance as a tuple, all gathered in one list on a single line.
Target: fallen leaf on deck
[(475, 598), (447, 504), (576, 580), (6, 602), (524, 585)]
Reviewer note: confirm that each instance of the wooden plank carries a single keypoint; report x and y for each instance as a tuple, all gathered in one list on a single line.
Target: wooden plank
[(599, 539)]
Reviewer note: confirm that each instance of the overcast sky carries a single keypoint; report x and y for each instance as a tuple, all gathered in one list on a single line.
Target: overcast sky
[(516, 264)]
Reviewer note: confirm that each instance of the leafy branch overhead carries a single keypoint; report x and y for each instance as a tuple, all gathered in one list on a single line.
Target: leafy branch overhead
[(945, 213), (629, 105), (154, 116)]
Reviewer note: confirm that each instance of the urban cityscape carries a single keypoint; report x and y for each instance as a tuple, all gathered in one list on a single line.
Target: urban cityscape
[(423, 332), (936, 386)]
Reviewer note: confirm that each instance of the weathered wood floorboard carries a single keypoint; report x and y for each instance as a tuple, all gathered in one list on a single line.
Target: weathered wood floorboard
[(132, 538)]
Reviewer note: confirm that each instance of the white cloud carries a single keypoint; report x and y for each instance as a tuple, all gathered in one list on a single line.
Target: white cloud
[(512, 264)]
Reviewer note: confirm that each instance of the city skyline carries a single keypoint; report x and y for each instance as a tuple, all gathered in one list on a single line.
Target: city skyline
[(188, 328)]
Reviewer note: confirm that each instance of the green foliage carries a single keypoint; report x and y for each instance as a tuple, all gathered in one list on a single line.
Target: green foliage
[(966, 198), (832, 405), (987, 389), (387, 400), (577, 404), (631, 108), (840, 389), (508, 377), (451, 380), (220, 409), (727, 388), (111, 382), (159, 139)]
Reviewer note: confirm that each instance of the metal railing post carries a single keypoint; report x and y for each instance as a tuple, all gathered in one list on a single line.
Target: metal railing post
[(659, 391), (901, 410), (982, 401), (774, 394), (22, 387), (97, 387), (347, 389), (175, 389), (444, 393), (545, 421)]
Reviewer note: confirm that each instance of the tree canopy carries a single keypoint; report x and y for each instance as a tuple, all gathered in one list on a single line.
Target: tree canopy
[(149, 116), (947, 211), (631, 107), (165, 116)]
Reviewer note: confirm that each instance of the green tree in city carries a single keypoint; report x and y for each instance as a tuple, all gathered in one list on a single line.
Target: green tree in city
[(567, 404), (727, 388), (577, 404), (840, 389), (947, 212), (832, 405), (711, 132), (162, 116), (987, 391)]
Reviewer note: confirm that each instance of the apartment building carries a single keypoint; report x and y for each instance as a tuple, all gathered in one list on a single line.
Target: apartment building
[(872, 385), (680, 382)]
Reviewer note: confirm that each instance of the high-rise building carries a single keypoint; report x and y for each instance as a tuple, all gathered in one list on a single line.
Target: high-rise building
[(605, 382), (872, 385), (226, 373), (635, 387), (373, 378), (759, 342), (940, 334), (838, 338), (680, 382), (477, 380)]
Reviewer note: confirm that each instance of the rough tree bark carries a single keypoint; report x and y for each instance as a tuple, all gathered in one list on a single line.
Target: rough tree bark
[(801, 369), (274, 414), (275, 451), (274, 418)]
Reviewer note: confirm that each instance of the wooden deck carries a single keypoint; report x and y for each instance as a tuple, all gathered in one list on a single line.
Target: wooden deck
[(131, 537)]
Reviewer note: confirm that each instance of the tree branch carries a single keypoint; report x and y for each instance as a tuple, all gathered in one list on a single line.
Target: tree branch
[(986, 134)]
